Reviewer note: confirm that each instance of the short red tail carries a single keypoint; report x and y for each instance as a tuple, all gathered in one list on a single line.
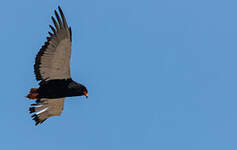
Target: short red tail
[(33, 93)]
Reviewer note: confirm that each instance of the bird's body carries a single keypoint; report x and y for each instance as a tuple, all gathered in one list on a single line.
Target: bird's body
[(60, 88), (52, 69)]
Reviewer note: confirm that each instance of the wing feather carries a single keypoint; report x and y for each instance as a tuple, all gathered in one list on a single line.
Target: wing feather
[(52, 28), (51, 34), (58, 18), (45, 108), (63, 17), (53, 59), (55, 23)]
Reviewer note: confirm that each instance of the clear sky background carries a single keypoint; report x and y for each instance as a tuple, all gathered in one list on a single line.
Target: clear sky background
[(161, 75)]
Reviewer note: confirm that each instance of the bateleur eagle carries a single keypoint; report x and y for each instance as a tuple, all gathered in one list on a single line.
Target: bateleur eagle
[(52, 69)]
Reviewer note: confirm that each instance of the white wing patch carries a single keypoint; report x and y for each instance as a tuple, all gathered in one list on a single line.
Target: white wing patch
[(41, 111)]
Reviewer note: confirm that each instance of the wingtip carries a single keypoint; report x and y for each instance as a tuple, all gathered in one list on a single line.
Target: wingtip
[(55, 11), (52, 28), (32, 109), (59, 7), (36, 119), (51, 34)]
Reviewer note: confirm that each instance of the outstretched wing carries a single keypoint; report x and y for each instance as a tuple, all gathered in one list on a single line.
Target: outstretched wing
[(45, 108), (53, 59)]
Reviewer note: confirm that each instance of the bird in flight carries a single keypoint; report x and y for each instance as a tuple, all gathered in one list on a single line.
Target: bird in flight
[(52, 69)]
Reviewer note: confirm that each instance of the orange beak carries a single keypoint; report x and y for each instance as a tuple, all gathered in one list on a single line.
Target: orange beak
[(86, 94)]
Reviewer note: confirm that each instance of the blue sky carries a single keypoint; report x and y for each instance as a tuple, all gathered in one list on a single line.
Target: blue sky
[(161, 74)]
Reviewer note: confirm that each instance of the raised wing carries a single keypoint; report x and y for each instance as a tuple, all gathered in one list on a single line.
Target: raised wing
[(45, 108), (53, 59)]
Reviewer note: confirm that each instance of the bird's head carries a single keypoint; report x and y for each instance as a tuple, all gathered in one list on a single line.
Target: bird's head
[(77, 89), (85, 92)]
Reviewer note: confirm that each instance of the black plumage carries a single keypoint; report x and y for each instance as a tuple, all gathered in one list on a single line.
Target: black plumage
[(60, 88)]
